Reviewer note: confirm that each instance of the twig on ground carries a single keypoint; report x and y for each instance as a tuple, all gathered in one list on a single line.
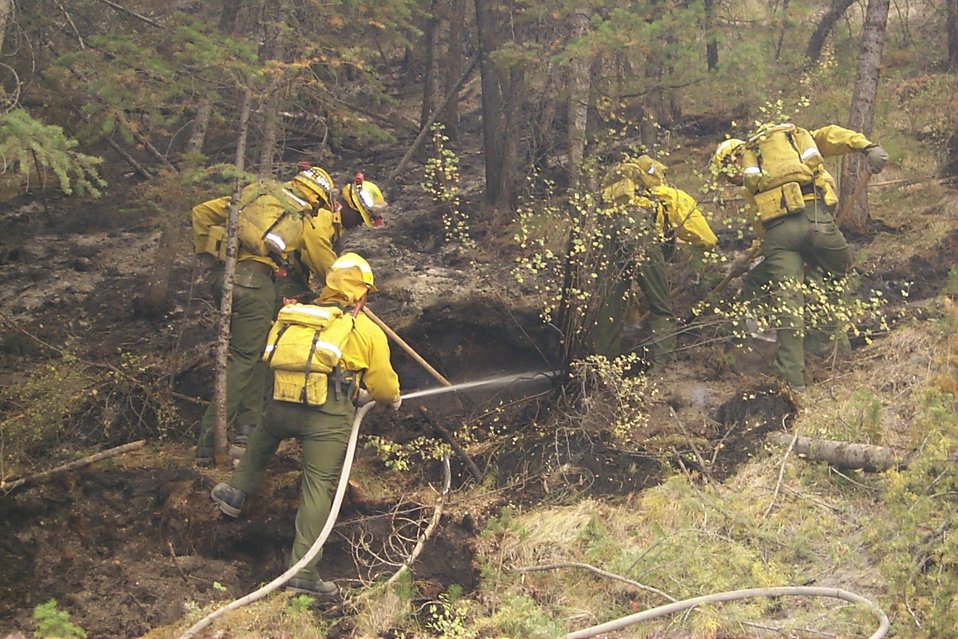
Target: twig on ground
[(176, 564), (598, 571), (695, 450), (456, 447), (433, 523), (7, 487), (850, 480), (781, 471)]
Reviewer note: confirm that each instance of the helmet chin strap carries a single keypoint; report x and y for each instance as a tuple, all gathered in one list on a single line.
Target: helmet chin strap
[(349, 218)]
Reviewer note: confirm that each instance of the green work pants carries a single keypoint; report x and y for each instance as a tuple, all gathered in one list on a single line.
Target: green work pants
[(247, 376), (810, 238), (324, 434), (652, 278)]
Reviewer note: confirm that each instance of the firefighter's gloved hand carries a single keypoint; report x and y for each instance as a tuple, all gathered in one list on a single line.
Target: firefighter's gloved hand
[(877, 157), (203, 273), (631, 333), (396, 403), (362, 397)]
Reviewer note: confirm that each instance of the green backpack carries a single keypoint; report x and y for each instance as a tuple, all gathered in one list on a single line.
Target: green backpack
[(304, 346)]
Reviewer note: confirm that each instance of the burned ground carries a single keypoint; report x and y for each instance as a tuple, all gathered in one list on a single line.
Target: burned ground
[(126, 545)]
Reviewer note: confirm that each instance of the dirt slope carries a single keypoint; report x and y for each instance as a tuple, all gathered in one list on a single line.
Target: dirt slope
[(126, 546)]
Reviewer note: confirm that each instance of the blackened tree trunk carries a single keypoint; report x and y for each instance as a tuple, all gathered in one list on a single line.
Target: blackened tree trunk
[(781, 33), (950, 165), (502, 90), (273, 49), (711, 42), (952, 17), (454, 64), (221, 455), (580, 86), (863, 110), (486, 25), (6, 9), (430, 80), (817, 40)]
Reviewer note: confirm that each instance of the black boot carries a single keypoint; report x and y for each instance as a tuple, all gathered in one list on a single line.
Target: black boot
[(229, 499), (204, 456), (318, 588), (243, 431)]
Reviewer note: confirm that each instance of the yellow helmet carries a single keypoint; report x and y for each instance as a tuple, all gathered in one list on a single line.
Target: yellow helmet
[(315, 180), (652, 172), (365, 197), (351, 276), (724, 153)]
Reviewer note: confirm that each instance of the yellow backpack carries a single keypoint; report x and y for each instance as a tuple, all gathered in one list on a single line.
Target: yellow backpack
[(779, 154), (270, 218), (304, 346)]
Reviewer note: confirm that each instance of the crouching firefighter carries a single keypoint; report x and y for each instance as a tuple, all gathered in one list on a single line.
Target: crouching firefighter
[(324, 357), (791, 199), (269, 228), (643, 214)]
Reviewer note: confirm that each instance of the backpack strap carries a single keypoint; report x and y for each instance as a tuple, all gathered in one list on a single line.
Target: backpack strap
[(272, 347), (309, 365)]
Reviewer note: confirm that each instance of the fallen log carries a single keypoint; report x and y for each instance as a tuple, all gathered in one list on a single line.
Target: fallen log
[(847, 455), (6, 487)]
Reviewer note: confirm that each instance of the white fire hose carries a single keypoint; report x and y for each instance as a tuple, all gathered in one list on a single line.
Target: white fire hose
[(734, 595), (609, 626), (313, 550)]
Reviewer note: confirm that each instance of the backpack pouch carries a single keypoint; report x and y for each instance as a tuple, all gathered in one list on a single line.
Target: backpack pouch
[(216, 242), (779, 202), (299, 388), (318, 317), (792, 197)]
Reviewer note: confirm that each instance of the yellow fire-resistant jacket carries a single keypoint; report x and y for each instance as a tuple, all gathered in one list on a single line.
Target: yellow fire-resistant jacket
[(367, 355), (316, 244), (831, 140), (673, 207), (679, 211), (318, 251), (214, 213)]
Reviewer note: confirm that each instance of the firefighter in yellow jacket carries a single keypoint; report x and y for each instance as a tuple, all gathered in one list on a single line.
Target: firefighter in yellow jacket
[(362, 204), (792, 200), (311, 224), (322, 430), (640, 185)]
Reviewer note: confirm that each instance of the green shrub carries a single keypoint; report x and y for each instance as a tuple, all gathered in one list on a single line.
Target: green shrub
[(53, 622)]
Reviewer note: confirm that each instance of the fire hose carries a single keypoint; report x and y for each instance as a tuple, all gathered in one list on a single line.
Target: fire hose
[(585, 633), (735, 595), (592, 631), (313, 550)]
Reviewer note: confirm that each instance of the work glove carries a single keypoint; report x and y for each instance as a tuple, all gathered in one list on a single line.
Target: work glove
[(396, 403), (876, 157), (362, 397), (203, 273), (631, 333)]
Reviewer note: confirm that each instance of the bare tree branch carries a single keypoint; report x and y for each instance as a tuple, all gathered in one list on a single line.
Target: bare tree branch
[(7, 487), (433, 523), (598, 571), (130, 12)]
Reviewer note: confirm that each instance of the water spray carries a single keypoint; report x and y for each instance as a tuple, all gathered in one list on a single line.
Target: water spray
[(528, 377)]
